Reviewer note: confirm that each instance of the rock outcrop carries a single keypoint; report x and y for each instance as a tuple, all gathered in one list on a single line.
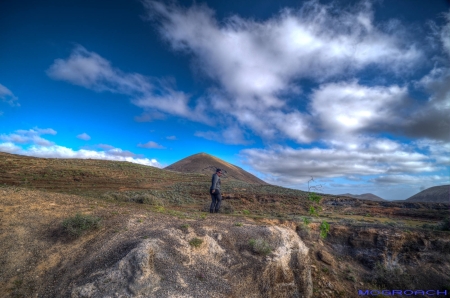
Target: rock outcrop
[(222, 266)]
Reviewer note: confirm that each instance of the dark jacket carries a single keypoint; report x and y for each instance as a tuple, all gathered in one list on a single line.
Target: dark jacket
[(215, 182)]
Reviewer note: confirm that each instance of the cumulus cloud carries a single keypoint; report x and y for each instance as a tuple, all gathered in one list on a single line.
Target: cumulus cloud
[(349, 108), (90, 70), (256, 63), (84, 136), (259, 58), (9, 147), (32, 136), (152, 145), (64, 152), (376, 157), (29, 142), (7, 96)]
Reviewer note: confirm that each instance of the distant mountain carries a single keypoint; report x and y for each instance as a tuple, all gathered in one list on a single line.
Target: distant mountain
[(435, 194), (207, 164), (364, 196)]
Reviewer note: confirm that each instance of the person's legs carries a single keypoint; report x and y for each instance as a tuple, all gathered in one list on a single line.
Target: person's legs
[(213, 202), (218, 201)]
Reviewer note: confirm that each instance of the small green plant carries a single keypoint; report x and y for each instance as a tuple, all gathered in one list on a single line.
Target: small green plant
[(245, 212), (184, 227), (196, 242), (260, 246), (306, 221), (313, 197), (160, 209), (75, 226), (313, 211), (203, 216), (238, 224), (324, 229)]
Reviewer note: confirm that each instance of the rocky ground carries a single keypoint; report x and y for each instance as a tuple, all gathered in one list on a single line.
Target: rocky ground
[(143, 250)]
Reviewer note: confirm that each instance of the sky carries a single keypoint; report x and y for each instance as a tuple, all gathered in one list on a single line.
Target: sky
[(354, 94)]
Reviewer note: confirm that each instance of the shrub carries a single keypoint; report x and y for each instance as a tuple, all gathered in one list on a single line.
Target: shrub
[(75, 226), (184, 227), (260, 246), (196, 242), (245, 212), (146, 198), (313, 197), (324, 229), (313, 211)]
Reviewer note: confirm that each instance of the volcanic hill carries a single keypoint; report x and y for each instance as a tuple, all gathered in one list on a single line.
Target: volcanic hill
[(364, 196), (435, 194), (207, 164)]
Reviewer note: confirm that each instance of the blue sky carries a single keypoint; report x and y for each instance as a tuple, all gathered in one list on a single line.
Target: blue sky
[(353, 93)]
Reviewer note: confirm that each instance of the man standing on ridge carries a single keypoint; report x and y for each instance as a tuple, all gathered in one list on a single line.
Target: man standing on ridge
[(214, 190)]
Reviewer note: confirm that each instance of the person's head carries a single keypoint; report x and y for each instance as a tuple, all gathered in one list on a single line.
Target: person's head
[(219, 172)]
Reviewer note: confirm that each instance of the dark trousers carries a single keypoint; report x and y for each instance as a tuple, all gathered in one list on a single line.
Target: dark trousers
[(216, 198)]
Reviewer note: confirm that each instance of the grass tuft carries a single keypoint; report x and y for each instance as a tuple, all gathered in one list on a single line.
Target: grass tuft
[(260, 246), (75, 226), (196, 242)]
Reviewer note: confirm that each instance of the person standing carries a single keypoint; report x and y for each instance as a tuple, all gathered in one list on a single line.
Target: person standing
[(214, 190)]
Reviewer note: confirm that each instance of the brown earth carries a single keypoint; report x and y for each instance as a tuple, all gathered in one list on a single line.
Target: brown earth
[(150, 215)]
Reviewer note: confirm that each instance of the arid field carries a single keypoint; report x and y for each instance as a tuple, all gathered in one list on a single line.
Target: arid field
[(145, 232)]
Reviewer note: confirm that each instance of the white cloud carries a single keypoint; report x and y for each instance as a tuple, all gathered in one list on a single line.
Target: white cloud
[(259, 58), (369, 157), (32, 136), (255, 63), (7, 96), (64, 152), (151, 144), (90, 70), (84, 136), (9, 147), (348, 108), (40, 147)]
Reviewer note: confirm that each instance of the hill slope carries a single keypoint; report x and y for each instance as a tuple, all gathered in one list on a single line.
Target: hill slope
[(364, 196), (435, 194), (207, 164)]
